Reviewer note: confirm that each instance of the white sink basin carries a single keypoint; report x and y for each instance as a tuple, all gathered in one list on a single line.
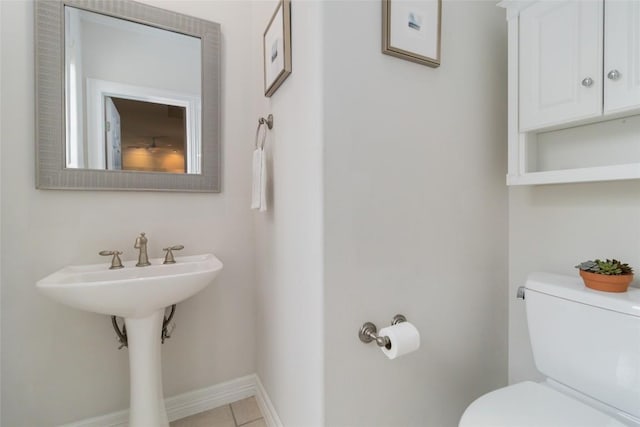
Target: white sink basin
[(130, 292), (140, 295)]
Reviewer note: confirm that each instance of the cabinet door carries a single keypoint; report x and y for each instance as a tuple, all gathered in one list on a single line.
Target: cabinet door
[(560, 63), (621, 55)]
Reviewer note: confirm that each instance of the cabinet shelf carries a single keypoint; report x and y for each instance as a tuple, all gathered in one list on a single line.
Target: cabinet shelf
[(590, 174)]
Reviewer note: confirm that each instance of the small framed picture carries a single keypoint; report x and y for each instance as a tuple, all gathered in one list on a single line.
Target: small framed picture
[(411, 30), (277, 48)]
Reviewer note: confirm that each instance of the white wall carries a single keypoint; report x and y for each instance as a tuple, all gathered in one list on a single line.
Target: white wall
[(0, 218), (289, 235), (60, 364), (415, 216), (155, 58), (554, 227)]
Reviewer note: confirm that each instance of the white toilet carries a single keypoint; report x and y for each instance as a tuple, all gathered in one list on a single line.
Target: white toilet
[(587, 344)]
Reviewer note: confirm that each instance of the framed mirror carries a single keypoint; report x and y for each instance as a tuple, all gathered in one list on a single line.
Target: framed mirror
[(128, 98)]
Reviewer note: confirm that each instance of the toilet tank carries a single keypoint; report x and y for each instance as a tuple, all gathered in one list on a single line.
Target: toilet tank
[(587, 340)]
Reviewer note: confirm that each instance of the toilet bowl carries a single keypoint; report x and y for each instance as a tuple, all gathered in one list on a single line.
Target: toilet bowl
[(587, 344)]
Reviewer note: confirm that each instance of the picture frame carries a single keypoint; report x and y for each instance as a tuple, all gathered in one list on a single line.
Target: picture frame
[(411, 30), (276, 44)]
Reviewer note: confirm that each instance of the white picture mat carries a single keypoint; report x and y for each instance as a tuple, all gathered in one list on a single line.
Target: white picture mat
[(422, 38), (274, 41)]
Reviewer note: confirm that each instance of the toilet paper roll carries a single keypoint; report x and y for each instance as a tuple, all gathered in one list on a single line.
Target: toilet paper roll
[(404, 338)]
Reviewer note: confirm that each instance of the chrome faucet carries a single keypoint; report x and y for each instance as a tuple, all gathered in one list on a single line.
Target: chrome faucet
[(143, 258)]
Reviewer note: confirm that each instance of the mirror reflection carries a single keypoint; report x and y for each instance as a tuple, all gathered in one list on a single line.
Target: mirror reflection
[(132, 96), (145, 136)]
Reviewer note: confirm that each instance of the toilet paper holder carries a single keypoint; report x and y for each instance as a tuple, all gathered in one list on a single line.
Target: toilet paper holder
[(369, 332)]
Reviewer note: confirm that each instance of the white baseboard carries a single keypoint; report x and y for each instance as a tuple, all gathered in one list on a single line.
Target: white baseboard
[(269, 413), (197, 401)]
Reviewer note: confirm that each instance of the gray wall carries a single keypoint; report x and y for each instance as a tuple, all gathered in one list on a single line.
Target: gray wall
[(554, 227), (289, 235), (60, 364), (1, 85), (415, 216)]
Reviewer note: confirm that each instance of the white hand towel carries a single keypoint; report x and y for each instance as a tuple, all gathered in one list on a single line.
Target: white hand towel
[(259, 181), (263, 180), (256, 184)]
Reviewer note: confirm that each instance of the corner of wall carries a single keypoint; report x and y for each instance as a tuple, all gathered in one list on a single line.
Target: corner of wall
[(1, 245), (289, 235)]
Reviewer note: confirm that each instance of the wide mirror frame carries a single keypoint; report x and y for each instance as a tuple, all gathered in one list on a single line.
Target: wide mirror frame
[(50, 104)]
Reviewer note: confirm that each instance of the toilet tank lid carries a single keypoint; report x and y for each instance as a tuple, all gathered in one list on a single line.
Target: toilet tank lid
[(573, 289)]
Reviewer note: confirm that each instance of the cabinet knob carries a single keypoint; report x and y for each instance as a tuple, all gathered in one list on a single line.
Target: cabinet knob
[(587, 82), (613, 75)]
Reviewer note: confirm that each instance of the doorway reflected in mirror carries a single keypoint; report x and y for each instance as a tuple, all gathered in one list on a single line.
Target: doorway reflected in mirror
[(145, 136)]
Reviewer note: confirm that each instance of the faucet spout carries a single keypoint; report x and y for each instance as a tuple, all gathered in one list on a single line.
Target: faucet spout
[(141, 243)]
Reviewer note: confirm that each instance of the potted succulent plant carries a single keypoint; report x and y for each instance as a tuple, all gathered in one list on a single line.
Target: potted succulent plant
[(609, 275)]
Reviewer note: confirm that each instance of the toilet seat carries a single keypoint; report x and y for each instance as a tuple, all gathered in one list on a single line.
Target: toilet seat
[(530, 404)]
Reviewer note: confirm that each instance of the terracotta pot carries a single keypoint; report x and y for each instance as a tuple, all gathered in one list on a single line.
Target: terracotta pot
[(606, 283)]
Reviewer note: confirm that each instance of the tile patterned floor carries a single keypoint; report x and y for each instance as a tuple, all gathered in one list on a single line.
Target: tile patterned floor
[(243, 413)]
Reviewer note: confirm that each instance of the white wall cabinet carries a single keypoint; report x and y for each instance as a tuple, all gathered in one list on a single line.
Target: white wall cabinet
[(574, 90), (560, 63), (621, 56)]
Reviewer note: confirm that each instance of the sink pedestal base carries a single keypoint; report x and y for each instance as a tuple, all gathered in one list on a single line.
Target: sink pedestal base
[(145, 371)]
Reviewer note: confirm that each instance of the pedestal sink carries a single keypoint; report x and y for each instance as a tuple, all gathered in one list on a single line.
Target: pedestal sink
[(140, 295)]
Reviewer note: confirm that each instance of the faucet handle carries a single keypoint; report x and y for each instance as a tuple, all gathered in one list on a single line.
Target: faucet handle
[(115, 261), (168, 258)]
